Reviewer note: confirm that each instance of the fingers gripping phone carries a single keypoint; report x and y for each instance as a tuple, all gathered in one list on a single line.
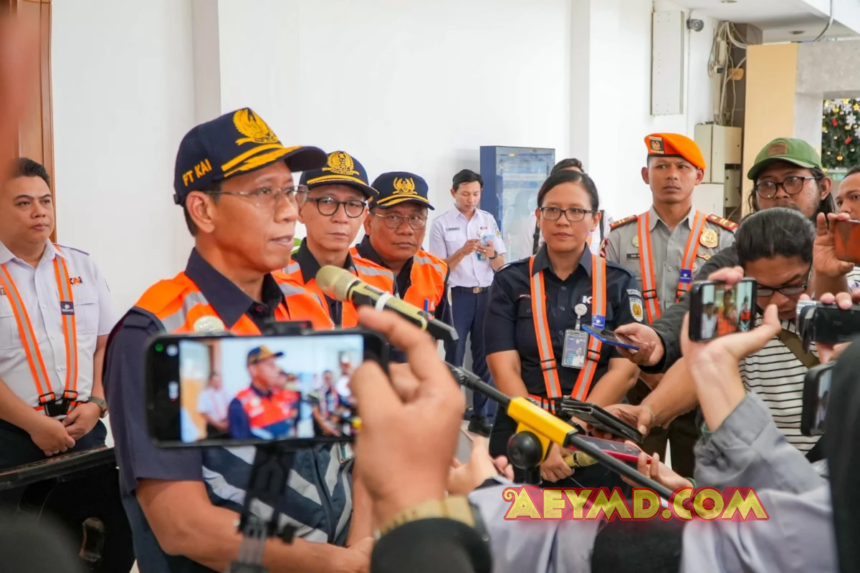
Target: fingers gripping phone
[(600, 419), (239, 390), (611, 338), (717, 309)]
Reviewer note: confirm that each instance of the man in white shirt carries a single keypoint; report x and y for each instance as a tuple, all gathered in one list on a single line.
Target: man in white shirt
[(55, 316), (469, 241), (212, 404)]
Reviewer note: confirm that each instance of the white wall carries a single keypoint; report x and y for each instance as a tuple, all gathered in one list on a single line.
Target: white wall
[(402, 86), (123, 98), (412, 86)]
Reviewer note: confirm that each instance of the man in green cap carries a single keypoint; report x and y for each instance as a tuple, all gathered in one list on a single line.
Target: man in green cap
[(787, 173)]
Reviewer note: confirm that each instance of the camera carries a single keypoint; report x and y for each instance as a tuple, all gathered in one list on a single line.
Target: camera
[(826, 323), (695, 25)]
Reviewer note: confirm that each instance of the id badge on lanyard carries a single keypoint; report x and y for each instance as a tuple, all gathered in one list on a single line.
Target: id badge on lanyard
[(575, 342)]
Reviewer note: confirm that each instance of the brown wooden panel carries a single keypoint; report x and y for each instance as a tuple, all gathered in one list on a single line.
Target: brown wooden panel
[(36, 130)]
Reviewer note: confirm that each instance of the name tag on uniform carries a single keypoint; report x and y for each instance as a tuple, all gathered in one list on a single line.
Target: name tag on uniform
[(452, 229), (67, 308), (632, 255), (686, 276), (575, 347)]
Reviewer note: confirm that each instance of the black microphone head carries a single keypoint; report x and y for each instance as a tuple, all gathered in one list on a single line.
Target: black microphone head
[(335, 282)]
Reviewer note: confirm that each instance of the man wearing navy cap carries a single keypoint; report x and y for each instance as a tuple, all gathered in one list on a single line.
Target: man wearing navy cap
[(336, 206), (394, 233), (234, 181)]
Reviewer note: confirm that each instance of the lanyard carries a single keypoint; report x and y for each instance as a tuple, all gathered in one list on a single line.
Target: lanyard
[(598, 321), (47, 398), (646, 261)]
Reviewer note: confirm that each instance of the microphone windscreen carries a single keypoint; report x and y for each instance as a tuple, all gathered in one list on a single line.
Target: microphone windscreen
[(335, 282)]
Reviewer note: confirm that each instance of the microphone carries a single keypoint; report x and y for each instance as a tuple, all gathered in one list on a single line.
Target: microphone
[(340, 284)]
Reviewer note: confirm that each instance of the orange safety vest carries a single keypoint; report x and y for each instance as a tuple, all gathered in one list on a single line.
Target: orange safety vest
[(427, 279), (544, 339), (25, 328), (646, 258), (368, 271), (267, 411), (178, 304)]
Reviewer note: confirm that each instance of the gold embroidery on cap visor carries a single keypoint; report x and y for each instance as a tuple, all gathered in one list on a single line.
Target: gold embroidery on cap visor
[(395, 199), (251, 159), (341, 163)]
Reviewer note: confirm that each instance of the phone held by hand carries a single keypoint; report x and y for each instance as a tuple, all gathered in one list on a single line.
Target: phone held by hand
[(847, 235), (226, 390), (611, 338), (816, 396), (600, 419), (618, 450), (717, 309)]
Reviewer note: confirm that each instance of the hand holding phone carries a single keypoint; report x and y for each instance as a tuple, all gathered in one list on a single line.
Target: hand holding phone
[(611, 338), (599, 418)]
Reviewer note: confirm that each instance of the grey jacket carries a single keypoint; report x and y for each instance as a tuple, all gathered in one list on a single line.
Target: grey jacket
[(747, 450)]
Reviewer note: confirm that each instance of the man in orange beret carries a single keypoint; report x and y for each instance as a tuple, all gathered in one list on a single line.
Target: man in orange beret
[(664, 247)]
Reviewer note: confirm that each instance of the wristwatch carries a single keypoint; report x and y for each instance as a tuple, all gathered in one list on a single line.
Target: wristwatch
[(493, 258), (101, 404), (457, 508)]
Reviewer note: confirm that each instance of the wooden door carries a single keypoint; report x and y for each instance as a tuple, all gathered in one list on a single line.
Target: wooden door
[(36, 129)]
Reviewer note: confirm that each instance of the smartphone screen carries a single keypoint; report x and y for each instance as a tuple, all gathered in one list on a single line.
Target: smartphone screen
[(816, 397), (847, 235), (230, 390), (717, 309)]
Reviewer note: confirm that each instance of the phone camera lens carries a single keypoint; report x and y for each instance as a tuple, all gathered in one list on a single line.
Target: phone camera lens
[(172, 350)]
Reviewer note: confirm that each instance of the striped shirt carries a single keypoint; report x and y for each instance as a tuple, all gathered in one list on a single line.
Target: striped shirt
[(776, 376), (854, 279)]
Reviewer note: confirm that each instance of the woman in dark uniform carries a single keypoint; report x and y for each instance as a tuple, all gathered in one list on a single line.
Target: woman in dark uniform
[(539, 305)]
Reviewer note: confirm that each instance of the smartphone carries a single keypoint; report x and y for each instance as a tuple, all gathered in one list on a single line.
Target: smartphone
[(240, 390), (600, 419), (609, 337), (623, 452), (816, 396), (847, 235), (717, 309)]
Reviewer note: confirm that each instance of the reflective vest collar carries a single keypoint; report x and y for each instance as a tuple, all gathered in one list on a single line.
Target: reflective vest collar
[(305, 261), (548, 362), (228, 300), (541, 262)]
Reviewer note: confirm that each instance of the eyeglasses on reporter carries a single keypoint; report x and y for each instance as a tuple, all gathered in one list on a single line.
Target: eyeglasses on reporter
[(573, 214), (393, 221), (792, 186)]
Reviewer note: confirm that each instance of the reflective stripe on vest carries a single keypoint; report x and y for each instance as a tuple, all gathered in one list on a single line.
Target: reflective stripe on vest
[(375, 276), (544, 339), (28, 337), (427, 280), (646, 262)]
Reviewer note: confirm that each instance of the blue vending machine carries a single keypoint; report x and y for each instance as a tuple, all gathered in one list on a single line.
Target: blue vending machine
[(512, 178)]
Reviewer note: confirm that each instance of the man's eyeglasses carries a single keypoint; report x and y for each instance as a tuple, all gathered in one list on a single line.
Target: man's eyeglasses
[(328, 206), (573, 214), (271, 197), (393, 221), (784, 291), (792, 185)]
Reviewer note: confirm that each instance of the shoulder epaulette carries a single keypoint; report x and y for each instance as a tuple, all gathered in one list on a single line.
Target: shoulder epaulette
[(724, 223), (626, 221), (71, 249)]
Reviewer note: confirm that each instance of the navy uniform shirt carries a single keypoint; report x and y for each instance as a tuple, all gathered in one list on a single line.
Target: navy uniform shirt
[(137, 456), (509, 324), (404, 280)]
